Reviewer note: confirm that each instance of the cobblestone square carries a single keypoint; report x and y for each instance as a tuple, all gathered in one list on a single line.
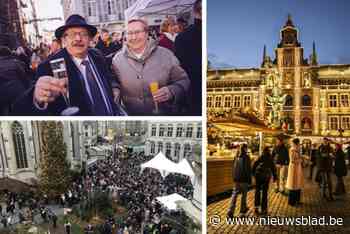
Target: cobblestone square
[(312, 205)]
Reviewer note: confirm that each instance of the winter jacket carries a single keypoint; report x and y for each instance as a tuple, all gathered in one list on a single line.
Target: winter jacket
[(265, 162), (135, 75), (339, 165), (280, 154), (324, 162), (241, 171), (14, 83), (295, 179)]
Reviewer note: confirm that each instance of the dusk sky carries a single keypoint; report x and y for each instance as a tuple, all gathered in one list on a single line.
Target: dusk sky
[(237, 30)]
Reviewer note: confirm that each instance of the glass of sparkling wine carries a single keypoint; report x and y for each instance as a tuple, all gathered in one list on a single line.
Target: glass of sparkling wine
[(59, 71), (154, 88)]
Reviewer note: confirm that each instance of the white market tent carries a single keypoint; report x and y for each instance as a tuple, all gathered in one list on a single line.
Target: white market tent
[(166, 166), (185, 168), (160, 7), (169, 201), (161, 163)]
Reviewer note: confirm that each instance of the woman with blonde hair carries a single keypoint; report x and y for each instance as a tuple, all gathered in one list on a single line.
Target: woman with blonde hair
[(168, 35), (295, 179)]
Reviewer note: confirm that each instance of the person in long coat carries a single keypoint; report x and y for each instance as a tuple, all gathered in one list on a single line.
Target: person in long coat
[(340, 170), (295, 179)]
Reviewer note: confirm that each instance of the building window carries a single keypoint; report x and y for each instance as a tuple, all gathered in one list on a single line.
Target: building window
[(209, 101), (306, 124), (154, 130), (333, 123), (161, 130), (92, 8), (19, 145), (177, 151), (344, 100), (199, 132), (160, 146), (228, 100), (179, 131), (170, 130), (218, 101), (289, 100), (189, 130), (306, 100), (153, 147), (246, 101), (237, 102), (345, 122), (168, 149), (187, 150), (332, 100)]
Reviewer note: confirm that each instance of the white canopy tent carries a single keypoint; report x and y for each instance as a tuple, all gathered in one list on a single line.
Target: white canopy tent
[(166, 166), (161, 163), (169, 201), (160, 7)]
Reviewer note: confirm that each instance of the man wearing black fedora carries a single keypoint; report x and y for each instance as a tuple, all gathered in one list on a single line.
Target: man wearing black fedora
[(88, 85)]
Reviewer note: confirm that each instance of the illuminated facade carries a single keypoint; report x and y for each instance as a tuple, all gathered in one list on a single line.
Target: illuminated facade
[(317, 96)]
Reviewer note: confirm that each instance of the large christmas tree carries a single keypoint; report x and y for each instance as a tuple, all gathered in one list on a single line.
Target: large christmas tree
[(54, 176)]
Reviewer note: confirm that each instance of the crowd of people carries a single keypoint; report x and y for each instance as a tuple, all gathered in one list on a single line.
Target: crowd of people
[(285, 166), (122, 180), (140, 71)]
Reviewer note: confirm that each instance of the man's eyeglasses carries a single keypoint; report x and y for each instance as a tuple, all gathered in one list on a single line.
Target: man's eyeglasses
[(73, 35), (136, 32)]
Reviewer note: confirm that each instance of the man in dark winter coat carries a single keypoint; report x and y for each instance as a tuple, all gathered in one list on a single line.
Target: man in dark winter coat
[(13, 81), (188, 49), (281, 157), (324, 165), (263, 169), (242, 178)]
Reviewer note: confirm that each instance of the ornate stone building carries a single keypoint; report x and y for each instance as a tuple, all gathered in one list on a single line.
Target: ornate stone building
[(316, 96), (176, 140), (20, 148)]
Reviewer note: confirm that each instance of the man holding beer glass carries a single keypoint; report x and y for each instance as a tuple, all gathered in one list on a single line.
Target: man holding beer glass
[(86, 90), (150, 77)]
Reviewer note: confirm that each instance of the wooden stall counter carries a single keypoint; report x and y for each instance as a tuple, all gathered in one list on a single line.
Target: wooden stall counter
[(219, 175)]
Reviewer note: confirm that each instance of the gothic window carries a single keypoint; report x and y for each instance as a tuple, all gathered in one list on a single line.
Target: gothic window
[(237, 102), (344, 100), (332, 100), (187, 150), (288, 58), (154, 130), (289, 100), (209, 101), (153, 147), (168, 149), (228, 101), (246, 101), (218, 101), (333, 123), (160, 146), (19, 145), (306, 100)]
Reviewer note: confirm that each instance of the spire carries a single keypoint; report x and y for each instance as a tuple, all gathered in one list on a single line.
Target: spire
[(313, 55), (264, 53), (289, 21)]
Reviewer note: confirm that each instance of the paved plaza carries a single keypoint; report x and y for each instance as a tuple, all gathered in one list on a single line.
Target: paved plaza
[(313, 205)]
